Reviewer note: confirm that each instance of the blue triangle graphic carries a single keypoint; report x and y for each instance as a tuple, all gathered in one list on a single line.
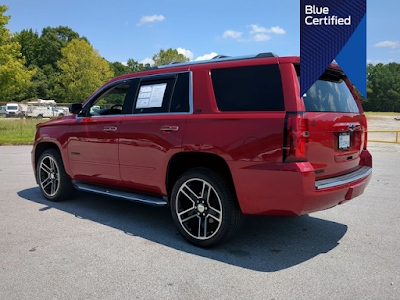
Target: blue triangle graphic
[(352, 59)]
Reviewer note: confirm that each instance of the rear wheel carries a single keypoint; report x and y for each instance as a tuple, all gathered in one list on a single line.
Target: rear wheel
[(40, 116), (204, 208), (54, 182)]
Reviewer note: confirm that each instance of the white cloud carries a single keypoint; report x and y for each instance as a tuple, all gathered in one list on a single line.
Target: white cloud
[(260, 37), (150, 19), (259, 29), (187, 53), (207, 56), (388, 44), (232, 34), (396, 51), (124, 63), (147, 61)]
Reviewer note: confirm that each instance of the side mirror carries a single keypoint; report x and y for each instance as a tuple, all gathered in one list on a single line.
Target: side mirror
[(75, 108)]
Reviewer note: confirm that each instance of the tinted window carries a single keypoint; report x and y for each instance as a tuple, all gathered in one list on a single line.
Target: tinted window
[(153, 96), (180, 98), (253, 88), (329, 96)]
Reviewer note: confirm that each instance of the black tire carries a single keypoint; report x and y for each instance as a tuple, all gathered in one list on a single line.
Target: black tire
[(209, 231), (40, 117), (63, 188), (61, 115)]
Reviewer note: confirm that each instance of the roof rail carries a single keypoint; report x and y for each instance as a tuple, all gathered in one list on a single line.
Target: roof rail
[(219, 58), (266, 54)]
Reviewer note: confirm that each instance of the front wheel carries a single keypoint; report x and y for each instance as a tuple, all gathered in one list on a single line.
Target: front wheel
[(204, 208), (54, 182)]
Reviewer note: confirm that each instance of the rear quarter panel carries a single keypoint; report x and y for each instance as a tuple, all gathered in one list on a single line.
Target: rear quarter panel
[(235, 136)]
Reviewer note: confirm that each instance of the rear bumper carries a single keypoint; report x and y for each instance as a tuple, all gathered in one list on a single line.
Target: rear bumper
[(291, 189)]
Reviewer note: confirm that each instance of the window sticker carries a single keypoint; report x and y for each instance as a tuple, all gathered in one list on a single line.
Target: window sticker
[(151, 95)]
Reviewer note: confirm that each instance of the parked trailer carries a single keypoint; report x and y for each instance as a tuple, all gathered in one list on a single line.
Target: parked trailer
[(45, 109)]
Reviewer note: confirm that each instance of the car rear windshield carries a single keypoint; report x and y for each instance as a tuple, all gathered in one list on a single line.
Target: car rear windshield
[(251, 88), (330, 94)]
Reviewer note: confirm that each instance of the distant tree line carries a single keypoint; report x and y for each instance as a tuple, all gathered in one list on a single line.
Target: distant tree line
[(58, 64), (383, 92)]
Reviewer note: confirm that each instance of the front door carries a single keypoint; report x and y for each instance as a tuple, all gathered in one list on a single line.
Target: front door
[(93, 149), (93, 143)]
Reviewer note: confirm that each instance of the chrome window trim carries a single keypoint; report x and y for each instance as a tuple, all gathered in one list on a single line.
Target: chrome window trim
[(148, 114), (343, 179)]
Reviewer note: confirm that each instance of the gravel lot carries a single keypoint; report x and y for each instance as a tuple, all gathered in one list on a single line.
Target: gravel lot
[(383, 123), (94, 247)]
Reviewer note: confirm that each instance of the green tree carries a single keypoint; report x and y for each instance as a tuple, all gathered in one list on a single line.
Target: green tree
[(13, 75), (83, 70), (30, 43), (39, 87), (134, 66), (52, 41), (166, 57), (383, 87), (119, 69)]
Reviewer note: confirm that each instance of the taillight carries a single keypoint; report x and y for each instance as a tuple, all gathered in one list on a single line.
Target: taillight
[(295, 137), (365, 132)]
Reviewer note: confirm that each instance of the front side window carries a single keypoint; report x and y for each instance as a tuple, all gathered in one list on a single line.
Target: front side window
[(114, 101)]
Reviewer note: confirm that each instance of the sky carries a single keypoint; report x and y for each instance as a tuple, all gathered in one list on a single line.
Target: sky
[(124, 29)]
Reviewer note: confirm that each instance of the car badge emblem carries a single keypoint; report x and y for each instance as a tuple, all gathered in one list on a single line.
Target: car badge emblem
[(352, 127)]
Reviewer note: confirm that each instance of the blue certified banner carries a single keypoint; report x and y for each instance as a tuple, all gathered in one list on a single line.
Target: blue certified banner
[(333, 30)]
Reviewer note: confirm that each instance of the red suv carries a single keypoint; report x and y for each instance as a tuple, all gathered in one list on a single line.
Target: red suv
[(214, 140)]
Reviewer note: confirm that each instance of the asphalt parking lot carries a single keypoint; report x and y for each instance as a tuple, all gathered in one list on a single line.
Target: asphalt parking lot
[(94, 247)]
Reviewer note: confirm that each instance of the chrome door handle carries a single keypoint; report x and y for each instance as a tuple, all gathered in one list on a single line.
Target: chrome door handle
[(169, 128), (110, 129)]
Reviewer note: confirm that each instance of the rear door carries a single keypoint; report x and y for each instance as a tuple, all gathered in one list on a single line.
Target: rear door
[(154, 132), (336, 125)]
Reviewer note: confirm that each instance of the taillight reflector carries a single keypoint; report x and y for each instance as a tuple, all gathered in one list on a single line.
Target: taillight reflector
[(365, 132), (295, 137)]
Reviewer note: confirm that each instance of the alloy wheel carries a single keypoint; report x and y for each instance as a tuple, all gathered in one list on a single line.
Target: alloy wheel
[(199, 209), (49, 176)]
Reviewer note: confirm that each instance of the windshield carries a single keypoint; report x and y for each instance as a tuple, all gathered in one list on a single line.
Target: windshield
[(12, 107)]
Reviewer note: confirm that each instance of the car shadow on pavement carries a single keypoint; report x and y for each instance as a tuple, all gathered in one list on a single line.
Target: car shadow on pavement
[(265, 244)]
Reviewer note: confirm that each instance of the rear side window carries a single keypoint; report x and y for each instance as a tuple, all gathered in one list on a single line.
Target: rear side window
[(252, 88), (180, 97), (154, 96), (330, 96)]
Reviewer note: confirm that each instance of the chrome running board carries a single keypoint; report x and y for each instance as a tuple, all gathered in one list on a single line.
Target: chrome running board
[(151, 200), (343, 179)]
